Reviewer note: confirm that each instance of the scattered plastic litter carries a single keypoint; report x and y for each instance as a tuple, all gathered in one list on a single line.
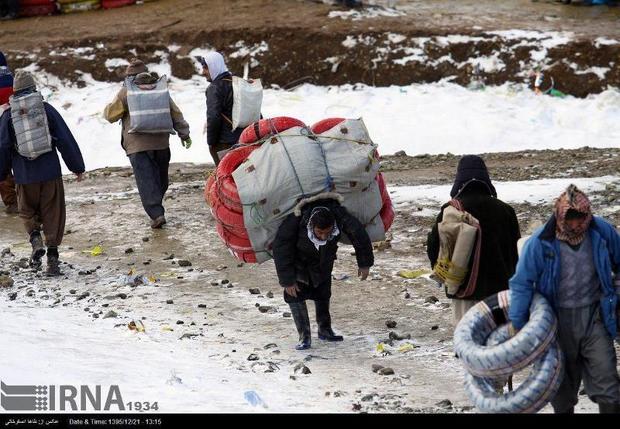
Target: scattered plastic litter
[(253, 399)]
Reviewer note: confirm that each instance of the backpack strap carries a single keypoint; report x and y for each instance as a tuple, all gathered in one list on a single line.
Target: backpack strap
[(473, 274), (226, 118)]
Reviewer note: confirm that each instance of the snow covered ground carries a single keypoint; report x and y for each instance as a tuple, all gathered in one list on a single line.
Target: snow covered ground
[(530, 191), (428, 118)]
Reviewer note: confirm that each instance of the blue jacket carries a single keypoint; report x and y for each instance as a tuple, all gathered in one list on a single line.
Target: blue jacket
[(47, 166), (539, 269)]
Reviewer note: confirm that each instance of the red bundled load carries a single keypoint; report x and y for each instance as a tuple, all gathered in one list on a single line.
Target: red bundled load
[(221, 191)]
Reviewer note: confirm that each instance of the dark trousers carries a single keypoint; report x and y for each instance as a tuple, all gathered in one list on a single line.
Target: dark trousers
[(150, 168), (214, 149), (589, 354), (43, 204), (321, 293), (7, 191)]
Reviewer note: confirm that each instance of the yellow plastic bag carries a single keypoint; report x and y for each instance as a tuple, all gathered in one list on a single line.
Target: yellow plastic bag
[(95, 251), (411, 274)]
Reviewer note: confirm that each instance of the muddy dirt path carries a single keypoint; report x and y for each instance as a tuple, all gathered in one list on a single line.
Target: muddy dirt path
[(195, 292)]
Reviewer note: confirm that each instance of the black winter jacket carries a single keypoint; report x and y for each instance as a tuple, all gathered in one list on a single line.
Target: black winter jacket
[(500, 233), (298, 260), (220, 101)]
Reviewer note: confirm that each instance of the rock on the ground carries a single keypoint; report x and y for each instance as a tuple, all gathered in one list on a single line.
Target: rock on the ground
[(390, 324), (301, 368), (6, 281), (386, 371), (376, 367), (253, 357), (431, 300), (399, 336), (184, 263), (446, 403), (254, 291), (169, 301), (109, 314), (267, 309)]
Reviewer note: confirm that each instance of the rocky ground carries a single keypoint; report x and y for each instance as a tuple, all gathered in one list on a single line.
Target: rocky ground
[(181, 283), (419, 41)]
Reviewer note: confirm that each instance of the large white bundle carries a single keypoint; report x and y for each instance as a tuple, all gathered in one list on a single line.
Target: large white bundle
[(247, 101), (298, 165)]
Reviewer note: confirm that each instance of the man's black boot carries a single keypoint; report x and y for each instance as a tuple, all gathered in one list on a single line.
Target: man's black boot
[(53, 264), (299, 310), (38, 250), (324, 321)]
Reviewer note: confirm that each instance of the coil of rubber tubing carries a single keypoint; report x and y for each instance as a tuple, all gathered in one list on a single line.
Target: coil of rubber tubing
[(231, 220), (387, 209), (540, 386), (110, 4), (266, 127), (226, 187), (527, 346), (38, 10), (241, 248), (208, 185), (326, 125)]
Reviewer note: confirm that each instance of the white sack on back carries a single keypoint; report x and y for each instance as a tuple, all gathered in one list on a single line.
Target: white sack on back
[(270, 182), (247, 101)]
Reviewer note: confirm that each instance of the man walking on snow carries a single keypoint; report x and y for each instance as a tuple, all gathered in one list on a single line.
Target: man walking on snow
[(304, 252), (31, 131), (499, 228), (220, 134), (574, 262), (148, 116)]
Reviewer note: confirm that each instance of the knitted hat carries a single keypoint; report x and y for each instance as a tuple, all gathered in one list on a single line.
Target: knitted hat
[(145, 79), (135, 67), (23, 80)]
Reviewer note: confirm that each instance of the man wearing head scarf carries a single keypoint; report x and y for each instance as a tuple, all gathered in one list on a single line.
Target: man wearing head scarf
[(499, 233), (40, 189), (304, 252), (574, 262), (148, 149), (220, 134), (7, 187)]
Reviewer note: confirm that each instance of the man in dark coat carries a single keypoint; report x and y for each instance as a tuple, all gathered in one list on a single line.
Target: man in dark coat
[(40, 191), (220, 134), (304, 252), (499, 232)]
